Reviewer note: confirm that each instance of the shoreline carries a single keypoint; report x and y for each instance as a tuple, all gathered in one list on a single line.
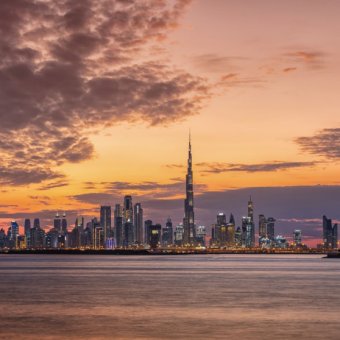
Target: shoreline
[(146, 252)]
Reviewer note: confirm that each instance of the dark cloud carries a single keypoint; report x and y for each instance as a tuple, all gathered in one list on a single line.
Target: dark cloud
[(53, 185), (218, 168), (109, 191), (68, 67), (325, 143)]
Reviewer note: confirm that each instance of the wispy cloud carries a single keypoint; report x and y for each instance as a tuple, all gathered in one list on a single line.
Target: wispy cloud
[(218, 168), (324, 143)]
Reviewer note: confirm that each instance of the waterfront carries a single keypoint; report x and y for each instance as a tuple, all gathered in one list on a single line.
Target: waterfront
[(169, 297)]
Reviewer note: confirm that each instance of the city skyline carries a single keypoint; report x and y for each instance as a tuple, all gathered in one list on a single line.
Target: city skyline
[(127, 229), (88, 118)]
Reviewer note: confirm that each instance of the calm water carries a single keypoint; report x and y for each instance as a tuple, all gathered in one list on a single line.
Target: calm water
[(169, 297)]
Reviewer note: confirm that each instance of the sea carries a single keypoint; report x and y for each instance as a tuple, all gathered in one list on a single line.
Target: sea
[(169, 297)]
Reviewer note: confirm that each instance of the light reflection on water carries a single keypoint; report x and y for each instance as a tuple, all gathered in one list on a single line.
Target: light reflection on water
[(169, 297)]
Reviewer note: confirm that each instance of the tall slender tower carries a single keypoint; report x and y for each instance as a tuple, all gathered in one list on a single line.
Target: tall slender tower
[(189, 237)]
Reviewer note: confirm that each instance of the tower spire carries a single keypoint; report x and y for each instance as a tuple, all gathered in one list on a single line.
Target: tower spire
[(189, 236)]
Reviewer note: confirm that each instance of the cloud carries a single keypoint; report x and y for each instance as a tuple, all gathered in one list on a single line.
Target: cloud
[(289, 69), (218, 168), (325, 143), (214, 63), (312, 59), (68, 67), (53, 185), (143, 191), (235, 79)]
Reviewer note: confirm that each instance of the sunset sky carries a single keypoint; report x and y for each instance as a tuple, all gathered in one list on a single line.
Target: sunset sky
[(97, 99)]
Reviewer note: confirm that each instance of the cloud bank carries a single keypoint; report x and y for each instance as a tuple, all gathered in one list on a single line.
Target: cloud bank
[(68, 67)]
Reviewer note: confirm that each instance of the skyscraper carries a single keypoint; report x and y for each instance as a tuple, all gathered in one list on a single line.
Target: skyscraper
[(297, 237), (57, 223), (248, 227), (127, 209), (330, 233), (118, 225), (189, 237), (167, 233), (27, 230), (14, 234), (138, 223), (64, 224), (128, 227), (105, 222)]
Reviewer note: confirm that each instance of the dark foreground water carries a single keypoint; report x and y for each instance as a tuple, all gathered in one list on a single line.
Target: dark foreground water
[(169, 297)]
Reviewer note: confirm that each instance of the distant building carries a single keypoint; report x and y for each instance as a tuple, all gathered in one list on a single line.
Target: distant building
[(167, 233), (105, 222), (52, 238), (64, 224), (330, 234), (128, 210), (200, 235), (138, 223), (14, 234), (147, 230), (57, 223), (27, 231), (118, 225), (179, 232), (223, 232), (280, 242), (248, 233), (266, 231), (155, 236), (297, 238)]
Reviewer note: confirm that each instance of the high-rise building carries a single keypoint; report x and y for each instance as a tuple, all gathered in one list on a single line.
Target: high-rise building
[(224, 233), (129, 235), (105, 222), (262, 228), (147, 226), (36, 223), (200, 235), (118, 225), (27, 231), (52, 238), (251, 210), (154, 240), (330, 234), (297, 237), (167, 233), (64, 224), (57, 223), (189, 237), (128, 226), (271, 228), (250, 225), (138, 223), (248, 234), (266, 231), (127, 209), (14, 234), (179, 232)]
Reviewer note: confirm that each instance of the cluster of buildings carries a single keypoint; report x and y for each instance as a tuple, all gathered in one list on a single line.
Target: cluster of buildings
[(127, 229)]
